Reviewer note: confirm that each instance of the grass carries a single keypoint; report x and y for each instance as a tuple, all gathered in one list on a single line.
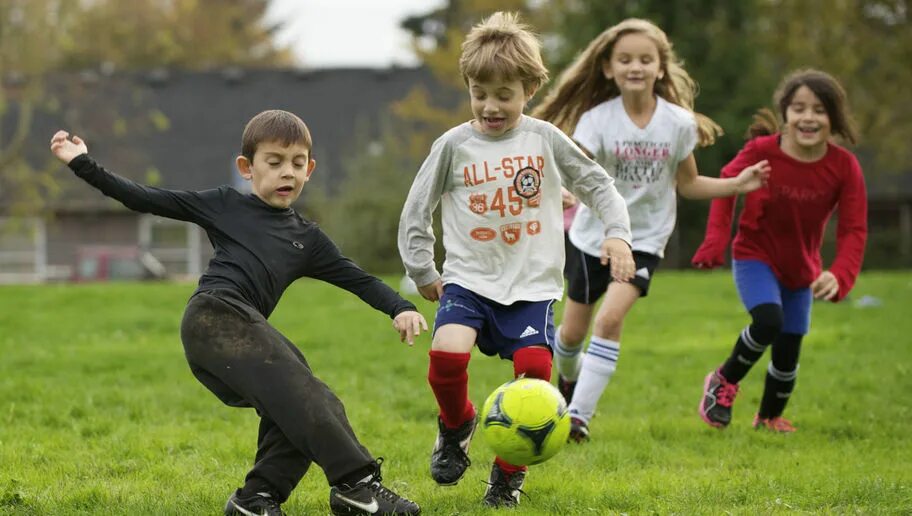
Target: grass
[(100, 414)]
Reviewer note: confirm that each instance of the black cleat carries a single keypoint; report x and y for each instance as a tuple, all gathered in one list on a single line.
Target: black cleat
[(260, 504), (579, 431), (566, 387), (450, 458), (503, 489), (369, 497)]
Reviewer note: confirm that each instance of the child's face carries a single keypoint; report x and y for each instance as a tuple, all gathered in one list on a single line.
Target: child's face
[(806, 120), (635, 65), (277, 173), (497, 105)]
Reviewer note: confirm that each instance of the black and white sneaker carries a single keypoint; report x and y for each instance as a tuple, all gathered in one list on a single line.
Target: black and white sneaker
[(450, 457), (369, 496), (260, 504), (504, 489)]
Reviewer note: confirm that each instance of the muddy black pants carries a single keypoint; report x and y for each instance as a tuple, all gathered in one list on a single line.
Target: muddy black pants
[(245, 362)]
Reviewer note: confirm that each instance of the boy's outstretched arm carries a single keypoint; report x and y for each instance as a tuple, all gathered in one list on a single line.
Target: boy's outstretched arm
[(198, 207)]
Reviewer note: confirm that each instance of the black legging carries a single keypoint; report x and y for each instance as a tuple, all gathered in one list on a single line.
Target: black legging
[(245, 362)]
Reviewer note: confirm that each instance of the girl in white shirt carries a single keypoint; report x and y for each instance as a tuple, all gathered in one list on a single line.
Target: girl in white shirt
[(628, 102)]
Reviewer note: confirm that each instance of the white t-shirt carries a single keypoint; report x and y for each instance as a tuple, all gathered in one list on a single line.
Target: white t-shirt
[(501, 210), (643, 163)]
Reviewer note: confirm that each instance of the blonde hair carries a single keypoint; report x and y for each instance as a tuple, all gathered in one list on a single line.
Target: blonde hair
[(583, 85), (501, 47)]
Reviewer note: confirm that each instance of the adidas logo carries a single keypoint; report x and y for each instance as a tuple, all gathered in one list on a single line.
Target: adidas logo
[(528, 332), (642, 272)]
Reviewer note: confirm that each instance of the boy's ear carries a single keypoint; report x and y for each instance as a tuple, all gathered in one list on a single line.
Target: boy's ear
[(243, 166), (311, 165)]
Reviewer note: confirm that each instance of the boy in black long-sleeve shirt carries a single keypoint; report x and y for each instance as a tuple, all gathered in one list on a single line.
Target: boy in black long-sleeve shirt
[(261, 246)]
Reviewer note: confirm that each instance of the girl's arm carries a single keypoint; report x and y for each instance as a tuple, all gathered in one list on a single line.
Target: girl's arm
[(694, 186), (711, 252), (852, 230)]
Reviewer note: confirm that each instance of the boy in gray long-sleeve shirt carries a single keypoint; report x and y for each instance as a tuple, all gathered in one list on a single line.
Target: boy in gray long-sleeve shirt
[(499, 179)]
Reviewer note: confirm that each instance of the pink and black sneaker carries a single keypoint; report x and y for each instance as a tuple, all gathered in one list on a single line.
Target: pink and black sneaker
[(579, 431), (718, 396)]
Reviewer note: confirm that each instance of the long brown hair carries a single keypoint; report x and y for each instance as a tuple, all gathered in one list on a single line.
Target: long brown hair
[(583, 86), (825, 87)]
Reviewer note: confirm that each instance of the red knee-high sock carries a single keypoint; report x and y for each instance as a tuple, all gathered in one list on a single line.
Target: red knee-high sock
[(534, 361), (449, 379), (508, 468)]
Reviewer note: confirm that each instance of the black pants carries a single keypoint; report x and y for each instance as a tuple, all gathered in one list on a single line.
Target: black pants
[(245, 362)]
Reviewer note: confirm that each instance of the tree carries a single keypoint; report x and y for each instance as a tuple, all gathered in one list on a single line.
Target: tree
[(38, 37)]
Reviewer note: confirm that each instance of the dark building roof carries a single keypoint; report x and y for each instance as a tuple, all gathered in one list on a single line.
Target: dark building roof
[(182, 130)]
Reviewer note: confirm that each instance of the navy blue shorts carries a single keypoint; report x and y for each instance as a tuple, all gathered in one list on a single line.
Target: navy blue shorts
[(758, 285), (502, 329)]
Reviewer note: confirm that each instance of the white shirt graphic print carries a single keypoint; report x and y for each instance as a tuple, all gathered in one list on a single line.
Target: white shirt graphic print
[(501, 210), (643, 163)]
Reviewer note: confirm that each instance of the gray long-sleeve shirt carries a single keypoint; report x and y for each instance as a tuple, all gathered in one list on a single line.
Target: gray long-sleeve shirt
[(502, 217)]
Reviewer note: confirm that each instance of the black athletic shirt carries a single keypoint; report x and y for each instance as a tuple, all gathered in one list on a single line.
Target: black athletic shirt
[(259, 249)]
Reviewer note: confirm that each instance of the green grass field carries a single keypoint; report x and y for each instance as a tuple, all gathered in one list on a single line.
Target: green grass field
[(100, 414)]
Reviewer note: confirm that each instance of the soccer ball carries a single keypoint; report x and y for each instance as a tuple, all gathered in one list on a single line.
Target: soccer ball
[(525, 421)]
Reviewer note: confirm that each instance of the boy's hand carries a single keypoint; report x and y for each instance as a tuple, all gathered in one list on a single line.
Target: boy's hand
[(409, 325), (432, 292), (753, 177), (617, 252), (65, 148), (825, 286)]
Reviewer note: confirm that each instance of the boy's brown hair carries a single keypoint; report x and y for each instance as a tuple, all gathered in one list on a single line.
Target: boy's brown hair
[(277, 126), (502, 47)]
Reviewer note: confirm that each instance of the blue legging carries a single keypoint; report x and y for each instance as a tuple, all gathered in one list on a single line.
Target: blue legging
[(757, 285)]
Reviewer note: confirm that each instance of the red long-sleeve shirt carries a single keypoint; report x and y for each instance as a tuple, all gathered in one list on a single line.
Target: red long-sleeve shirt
[(782, 224)]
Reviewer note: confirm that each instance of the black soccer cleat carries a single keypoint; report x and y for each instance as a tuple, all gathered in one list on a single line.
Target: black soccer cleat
[(450, 459), (579, 431), (369, 497), (504, 489), (566, 387), (260, 504)]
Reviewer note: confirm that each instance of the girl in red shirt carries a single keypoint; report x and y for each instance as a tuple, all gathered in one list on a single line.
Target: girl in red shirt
[(776, 251)]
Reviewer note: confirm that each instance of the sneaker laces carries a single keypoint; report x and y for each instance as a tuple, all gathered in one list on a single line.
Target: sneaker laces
[(379, 490), (451, 451), (502, 489), (725, 395)]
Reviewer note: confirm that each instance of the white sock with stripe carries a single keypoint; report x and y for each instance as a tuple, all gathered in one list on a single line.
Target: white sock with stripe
[(598, 366), (567, 360)]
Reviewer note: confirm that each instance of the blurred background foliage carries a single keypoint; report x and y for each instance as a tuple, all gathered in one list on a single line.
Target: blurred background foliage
[(737, 51)]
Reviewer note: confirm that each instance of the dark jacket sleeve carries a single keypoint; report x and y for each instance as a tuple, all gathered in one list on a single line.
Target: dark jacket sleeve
[(328, 264), (197, 207)]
